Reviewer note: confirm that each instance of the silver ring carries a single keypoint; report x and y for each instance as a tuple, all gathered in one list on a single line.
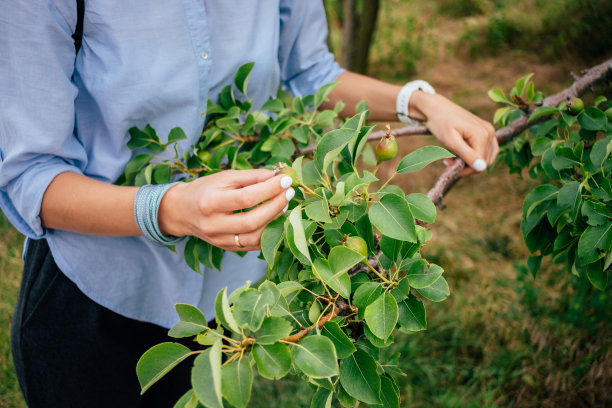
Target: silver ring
[(238, 244)]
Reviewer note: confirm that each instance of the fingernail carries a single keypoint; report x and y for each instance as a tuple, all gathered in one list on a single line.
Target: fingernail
[(479, 165), (286, 182), (445, 163), (285, 209), (289, 193)]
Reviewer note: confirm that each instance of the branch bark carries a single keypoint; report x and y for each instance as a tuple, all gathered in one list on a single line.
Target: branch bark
[(339, 307), (593, 75)]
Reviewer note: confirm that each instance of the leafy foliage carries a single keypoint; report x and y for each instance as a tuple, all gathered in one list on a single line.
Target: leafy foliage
[(568, 216), (324, 310)]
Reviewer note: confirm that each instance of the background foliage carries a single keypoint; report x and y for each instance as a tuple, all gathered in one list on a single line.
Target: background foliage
[(502, 338)]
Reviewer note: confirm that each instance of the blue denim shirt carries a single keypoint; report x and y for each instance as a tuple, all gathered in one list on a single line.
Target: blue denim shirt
[(140, 62)]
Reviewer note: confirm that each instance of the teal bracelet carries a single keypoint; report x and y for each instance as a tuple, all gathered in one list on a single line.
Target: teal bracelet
[(146, 207)]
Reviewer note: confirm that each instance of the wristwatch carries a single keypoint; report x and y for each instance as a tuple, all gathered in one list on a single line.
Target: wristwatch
[(403, 99)]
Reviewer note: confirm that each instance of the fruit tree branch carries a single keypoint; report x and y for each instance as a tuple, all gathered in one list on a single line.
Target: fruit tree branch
[(339, 307), (593, 75)]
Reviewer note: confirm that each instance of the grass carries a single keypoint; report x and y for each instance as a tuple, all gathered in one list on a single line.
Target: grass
[(502, 339), (10, 275)]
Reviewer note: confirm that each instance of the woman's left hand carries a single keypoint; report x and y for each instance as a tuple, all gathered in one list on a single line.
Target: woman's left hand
[(468, 136)]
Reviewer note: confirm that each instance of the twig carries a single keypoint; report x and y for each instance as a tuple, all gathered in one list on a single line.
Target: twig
[(403, 131), (593, 75), (339, 307)]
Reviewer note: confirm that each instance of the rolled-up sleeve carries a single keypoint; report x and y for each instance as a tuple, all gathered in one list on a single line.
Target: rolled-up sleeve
[(306, 63), (37, 140)]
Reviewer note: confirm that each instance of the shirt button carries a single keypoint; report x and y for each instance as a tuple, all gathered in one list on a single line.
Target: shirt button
[(202, 113), (204, 55)]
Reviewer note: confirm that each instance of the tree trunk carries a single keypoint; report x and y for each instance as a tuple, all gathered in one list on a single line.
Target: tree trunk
[(357, 30)]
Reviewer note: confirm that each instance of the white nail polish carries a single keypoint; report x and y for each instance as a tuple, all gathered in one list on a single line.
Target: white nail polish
[(286, 182), (285, 209), (289, 193), (479, 165)]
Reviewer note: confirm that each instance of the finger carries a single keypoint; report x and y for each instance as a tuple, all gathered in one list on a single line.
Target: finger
[(234, 179), (250, 241), (251, 195), (469, 155), (258, 217), (493, 151)]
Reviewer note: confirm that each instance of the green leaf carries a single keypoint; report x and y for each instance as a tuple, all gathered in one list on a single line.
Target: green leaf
[(237, 381), (318, 211), (298, 105), (366, 294), (597, 274), (142, 138), (242, 77), (594, 242), (378, 342), (311, 174), (390, 247), (342, 258), (381, 315), (592, 119), (436, 292), (206, 377), (299, 238), (392, 216), (325, 119), (359, 378), (252, 306), (570, 196), (421, 276), (289, 287), (223, 313), (533, 265), (501, 114), (188, 400), (497, 95), (521, 84), (389, 394), (330, 145), (343, 344), (272, 329), (162, 174), (421, 207), (273, 105), (192, 321), (600, 151), (271, 239), (339, 280), (273, 361), (537, 196), (158, 361), (316, 356), (412, 314), (176, 134), (420, 158), (543, 111), (322, 399), (323, 92)]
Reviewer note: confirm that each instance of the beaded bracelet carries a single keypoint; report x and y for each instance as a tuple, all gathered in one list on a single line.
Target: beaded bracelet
[(146, 207)]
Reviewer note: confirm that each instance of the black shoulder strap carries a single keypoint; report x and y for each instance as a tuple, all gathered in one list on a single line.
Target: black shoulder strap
[(78, 30)]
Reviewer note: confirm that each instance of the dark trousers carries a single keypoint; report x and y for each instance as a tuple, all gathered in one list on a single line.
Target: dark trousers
[(71, 352)]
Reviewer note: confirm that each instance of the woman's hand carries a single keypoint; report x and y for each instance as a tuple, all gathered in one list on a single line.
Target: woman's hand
[(470, 137), (205, 207)]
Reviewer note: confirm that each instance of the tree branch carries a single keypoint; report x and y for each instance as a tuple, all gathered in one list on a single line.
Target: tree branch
[(593, 75), (339, 307)]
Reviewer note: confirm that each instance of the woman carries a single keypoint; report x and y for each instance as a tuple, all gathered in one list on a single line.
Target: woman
[(96, 293)]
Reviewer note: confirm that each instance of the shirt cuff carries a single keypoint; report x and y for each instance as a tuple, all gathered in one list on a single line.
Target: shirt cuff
[(21, 199)]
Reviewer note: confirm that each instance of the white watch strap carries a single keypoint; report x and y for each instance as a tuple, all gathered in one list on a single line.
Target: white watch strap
[(403, 99)]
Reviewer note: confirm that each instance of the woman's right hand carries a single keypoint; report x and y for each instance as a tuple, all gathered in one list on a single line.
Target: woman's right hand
[(205, 208)]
